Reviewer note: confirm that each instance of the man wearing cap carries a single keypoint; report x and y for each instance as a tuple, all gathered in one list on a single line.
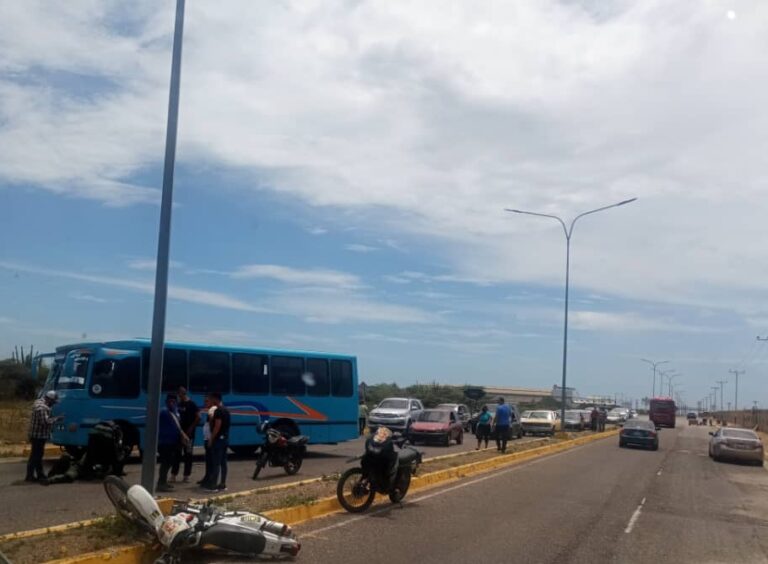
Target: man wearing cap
[(40, 426)]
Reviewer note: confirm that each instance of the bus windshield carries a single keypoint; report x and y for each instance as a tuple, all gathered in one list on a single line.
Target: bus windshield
[(75, 371)]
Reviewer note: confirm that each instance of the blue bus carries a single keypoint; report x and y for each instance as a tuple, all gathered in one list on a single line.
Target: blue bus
[(308, 393)]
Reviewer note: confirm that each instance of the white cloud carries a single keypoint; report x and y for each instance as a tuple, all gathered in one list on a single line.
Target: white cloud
[(88, 298), (317, 231), (288, 275), (4, 319), (410, 112), (150, 264), (359, 248)]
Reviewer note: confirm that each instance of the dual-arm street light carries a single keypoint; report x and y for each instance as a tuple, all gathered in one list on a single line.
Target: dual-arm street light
[(568, 231), (654, 365)]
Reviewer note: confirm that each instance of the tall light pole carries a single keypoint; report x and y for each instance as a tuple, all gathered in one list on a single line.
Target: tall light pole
[(722, 385), (736, 393), (568, 231), (654, 365), (662, 374), (669, 382), (714, 396), (163, 251)]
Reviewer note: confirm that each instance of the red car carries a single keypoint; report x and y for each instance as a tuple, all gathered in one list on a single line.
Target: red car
[(439, 425)]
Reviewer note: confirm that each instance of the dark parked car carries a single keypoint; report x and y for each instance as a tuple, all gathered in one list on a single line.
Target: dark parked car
[(640, 433), (439, 425)]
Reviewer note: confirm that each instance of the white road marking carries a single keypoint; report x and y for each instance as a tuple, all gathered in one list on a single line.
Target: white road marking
[(659, 472), (634, 518), (357, 518)]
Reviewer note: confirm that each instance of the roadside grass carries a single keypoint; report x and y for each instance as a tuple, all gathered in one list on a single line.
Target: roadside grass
[(14, 421)]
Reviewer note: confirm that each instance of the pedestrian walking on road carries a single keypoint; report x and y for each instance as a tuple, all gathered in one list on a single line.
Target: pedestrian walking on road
[(219, 443), (362, 416), (502, 422), (601, 420), (483, 429), (594, 418), (40, 426), (189, 417), (169, 437)]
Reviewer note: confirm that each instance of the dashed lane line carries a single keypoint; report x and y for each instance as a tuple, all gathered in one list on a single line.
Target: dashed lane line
[(635, 517)]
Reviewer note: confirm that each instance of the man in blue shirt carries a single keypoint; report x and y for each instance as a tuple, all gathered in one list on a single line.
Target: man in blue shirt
[(170, 437), (502, 422)]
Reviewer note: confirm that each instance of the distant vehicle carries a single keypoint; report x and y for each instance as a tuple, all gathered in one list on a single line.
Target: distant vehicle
[(299, 393), (539, 422), (397, 414), (736, 444), (662, 412), (693, 418), (439, 425), (617, 416), (640, 433), (575, 419), (462, 411)]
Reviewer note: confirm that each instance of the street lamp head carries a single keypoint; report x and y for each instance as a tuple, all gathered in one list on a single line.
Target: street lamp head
[(626, 202)]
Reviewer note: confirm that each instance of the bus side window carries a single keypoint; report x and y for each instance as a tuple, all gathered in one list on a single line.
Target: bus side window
[(174, 369), (287, 376), (249, 375), (341, 378), (318, 383), (208, 372), (116, 378)]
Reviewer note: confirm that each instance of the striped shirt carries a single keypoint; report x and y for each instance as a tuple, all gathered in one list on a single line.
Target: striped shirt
[(41, 423)]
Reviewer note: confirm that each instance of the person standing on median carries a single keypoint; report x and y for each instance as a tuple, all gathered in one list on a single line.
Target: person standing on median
[(169, 437), (40, 426), (219, 444), (189, 417), (502, 422), (483, 430), (594, 418)]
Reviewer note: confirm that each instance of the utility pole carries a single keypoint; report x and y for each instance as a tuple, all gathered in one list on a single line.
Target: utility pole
[(736, 395), (713, 401), (722, 385)]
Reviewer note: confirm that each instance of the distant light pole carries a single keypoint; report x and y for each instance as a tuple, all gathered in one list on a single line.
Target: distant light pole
[(161, 273), (669, 382), (736, 393), (722, 385), (568, 231), (654, 365)]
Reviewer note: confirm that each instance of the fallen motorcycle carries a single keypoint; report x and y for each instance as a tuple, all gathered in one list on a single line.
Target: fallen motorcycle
[(382, 470), (195, 526), (280, 450)]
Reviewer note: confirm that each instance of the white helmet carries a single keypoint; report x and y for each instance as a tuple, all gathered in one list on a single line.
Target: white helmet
[(52, 396)]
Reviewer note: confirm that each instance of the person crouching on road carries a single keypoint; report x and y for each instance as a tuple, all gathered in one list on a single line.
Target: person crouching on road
[(483, 429), (169, 437), (502, 422), (40, 426)]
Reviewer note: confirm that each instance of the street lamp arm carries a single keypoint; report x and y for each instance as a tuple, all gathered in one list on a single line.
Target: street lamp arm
[(575, 219), (562, 223)]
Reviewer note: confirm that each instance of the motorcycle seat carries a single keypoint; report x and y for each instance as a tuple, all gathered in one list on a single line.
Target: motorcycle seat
[(298, 440), (407, 456)]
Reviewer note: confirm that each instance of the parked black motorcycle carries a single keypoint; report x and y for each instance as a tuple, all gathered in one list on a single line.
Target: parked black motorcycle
[(382, 470), (280, 449)]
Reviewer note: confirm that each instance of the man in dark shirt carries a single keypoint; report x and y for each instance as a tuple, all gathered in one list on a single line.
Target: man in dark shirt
[(189, 417), (219, 442)]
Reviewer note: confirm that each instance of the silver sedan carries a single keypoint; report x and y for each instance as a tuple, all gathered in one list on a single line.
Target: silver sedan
[(736, 444)]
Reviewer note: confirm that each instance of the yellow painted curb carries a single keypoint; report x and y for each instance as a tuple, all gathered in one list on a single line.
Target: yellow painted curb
[(132, 554)]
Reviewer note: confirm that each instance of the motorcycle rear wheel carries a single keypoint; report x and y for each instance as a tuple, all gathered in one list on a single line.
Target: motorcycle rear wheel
[(401, 488), (355, 493), (117, 492), (294, 464)]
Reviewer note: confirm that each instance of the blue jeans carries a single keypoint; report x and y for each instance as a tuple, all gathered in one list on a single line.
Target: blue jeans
[(218, 462)]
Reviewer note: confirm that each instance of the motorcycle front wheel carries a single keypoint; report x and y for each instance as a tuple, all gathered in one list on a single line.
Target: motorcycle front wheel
[(293, 465), (117, 492), (261, 462), (354, 492), (401, 488)]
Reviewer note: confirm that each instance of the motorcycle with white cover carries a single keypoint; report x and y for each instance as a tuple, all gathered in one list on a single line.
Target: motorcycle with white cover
[(194, 526)]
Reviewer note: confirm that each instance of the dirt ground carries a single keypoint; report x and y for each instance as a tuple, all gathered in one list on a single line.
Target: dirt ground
[(114, 532)]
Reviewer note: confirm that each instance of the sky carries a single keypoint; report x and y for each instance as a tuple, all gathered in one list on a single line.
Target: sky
[(342, 174)]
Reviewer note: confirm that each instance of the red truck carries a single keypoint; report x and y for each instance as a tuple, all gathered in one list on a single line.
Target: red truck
[(662, 412)]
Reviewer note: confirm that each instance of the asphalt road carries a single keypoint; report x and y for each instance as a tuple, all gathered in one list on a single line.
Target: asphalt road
[(29, 506), (596, 503)]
